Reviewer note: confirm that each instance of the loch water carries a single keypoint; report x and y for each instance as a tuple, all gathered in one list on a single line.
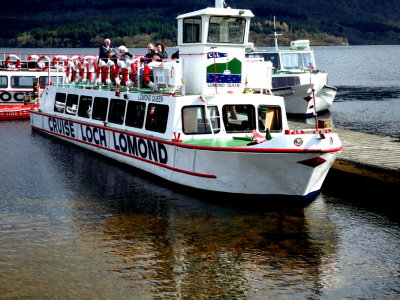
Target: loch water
[(77, 226)]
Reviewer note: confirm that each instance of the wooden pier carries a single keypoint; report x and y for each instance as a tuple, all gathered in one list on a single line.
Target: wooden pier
[(367, 155)]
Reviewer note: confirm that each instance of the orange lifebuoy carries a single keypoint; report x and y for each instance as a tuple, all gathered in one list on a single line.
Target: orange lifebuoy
[(9, 63)]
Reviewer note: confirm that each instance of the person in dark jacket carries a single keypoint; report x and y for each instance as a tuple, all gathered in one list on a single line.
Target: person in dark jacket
[(150, 53), (160, 51), (105, 50)]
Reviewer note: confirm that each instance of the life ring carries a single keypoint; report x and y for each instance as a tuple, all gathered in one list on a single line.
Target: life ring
[(146, 77), (9, 61), (44, 62), (70, 74), (92, 71), (105, 74), (114, 73), (60, 61)]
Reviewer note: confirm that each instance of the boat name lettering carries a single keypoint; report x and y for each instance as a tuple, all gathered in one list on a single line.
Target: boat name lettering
[(223, 85), (94, 134), (140, 147), (151, 98), (63, 127)]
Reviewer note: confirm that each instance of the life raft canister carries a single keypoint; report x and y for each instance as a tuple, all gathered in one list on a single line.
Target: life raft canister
[(12, 61)]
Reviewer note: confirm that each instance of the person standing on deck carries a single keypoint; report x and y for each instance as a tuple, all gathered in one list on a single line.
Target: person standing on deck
[(105, 50)]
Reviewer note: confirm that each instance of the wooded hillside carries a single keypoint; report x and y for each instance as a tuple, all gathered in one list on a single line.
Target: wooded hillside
[(85, 23)]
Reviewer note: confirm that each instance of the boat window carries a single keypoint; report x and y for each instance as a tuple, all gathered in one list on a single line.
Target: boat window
[(279, 82), (71, 106), (22, 82), (226, 30), (239, 118), (192, 30), (3, 82), (272, 57), (59, 103), (157, 117), (100, 106), (300, 61), (117, 111), (269, 117), (43, 80), (85, 106), (195, 120), (135, 114)]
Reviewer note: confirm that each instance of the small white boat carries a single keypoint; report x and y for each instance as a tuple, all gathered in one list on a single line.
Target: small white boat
[(195, 125), (296, 78)]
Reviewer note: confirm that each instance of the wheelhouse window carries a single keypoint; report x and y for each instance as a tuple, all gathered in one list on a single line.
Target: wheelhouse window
[(192, 30), (196, 121), (297, 61), (239, 118), (117, 111), (22, 82), (71, 106), (269, 118), (157, 117), (43, 80), (135, 114), (3, 82), (100, 106), (85, 106), (229, 30), (59, 103), (285, 81)]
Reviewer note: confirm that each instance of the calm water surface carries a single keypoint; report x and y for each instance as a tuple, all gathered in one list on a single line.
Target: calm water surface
[(75, 226)]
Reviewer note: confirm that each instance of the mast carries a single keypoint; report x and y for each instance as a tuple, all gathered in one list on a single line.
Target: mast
[(276, 36)]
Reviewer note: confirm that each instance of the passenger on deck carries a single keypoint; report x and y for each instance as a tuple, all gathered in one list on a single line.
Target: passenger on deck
[(160, 51), (124, 54), (150, 53), (105, 50)]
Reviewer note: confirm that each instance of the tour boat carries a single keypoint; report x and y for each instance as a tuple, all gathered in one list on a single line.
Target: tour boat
[(22, 78), (194, 122), (296, 78)]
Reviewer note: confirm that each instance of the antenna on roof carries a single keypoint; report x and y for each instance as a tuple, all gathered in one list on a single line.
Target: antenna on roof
[(276, 35), (220, 4)]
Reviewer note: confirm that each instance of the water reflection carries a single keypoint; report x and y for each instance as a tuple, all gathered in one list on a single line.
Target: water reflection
[(213, 254)]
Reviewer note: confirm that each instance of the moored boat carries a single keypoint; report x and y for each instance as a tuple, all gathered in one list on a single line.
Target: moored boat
[(296, 78), (22, 78), (193, 123)]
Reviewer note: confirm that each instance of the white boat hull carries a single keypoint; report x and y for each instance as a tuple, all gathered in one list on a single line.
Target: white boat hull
[(251, 170), (299, 101)]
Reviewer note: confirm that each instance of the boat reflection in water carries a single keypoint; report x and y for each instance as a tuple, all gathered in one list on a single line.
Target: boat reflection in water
[(222, 253)]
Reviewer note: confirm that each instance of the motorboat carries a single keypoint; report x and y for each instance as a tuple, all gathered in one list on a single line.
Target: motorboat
[(193, 122), (296, 78)]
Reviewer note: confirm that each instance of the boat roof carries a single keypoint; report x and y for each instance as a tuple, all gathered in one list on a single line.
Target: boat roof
[(210, 11)]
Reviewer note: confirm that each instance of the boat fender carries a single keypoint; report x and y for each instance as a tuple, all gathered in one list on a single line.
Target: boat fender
[(9, 61), (43, 62)]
